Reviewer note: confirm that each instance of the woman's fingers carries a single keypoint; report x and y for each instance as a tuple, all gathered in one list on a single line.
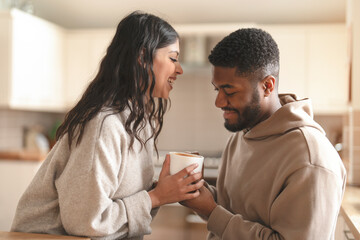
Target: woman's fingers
[(187, 171), (192, 178)]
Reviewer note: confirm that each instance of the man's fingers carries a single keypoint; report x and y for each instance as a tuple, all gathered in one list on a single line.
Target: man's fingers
[(192, 195), (195, 186)]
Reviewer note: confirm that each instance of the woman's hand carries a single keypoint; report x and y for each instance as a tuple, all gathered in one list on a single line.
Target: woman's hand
[(177, 187)]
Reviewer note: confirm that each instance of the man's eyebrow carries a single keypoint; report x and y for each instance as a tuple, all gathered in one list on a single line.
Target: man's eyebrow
[(223, 86)]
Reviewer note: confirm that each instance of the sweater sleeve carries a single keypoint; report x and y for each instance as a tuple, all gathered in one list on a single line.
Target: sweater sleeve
[(87, 186), (307, 208)]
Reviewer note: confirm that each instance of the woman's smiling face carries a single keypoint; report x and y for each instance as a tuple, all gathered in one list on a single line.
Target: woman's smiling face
[(166, 67)]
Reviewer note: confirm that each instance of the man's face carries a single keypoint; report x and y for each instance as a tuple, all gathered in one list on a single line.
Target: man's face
[(237, 97)]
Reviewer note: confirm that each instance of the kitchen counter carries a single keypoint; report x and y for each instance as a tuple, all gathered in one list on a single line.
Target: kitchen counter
[(350, 209), (35, 236), (23, 155)]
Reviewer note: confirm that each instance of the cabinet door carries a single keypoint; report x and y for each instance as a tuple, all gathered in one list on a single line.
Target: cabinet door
[(314, 64), (291, 43), (100, 40), (84, 51), (77, 65), (328, 78), (15, 176), (37, 64)]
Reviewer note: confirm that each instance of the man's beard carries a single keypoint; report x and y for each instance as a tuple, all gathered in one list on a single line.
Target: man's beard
[(250, 114)]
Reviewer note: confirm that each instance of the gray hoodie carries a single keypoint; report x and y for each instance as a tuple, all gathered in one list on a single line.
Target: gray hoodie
[(280, 180)]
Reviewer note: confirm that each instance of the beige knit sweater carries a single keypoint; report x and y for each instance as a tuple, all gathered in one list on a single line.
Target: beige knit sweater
[(97, 189), (282, 180)]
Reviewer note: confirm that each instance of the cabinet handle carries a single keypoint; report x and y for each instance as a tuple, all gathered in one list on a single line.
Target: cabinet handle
[(348, 235)]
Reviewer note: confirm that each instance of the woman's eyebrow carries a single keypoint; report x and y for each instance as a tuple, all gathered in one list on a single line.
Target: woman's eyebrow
[(177, 53)]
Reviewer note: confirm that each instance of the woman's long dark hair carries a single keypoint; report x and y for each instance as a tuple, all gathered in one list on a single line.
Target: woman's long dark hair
[(123, 80)]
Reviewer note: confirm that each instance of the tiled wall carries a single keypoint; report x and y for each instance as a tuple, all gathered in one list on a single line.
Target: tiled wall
[(356, 141), (356, 147), (332, 125), (351, 151), (13, 122)]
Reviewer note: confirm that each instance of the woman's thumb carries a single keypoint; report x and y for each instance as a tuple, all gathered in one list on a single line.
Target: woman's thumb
[(166, 167)]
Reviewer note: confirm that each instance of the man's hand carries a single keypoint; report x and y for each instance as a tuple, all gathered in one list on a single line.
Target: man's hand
[(203, 205)]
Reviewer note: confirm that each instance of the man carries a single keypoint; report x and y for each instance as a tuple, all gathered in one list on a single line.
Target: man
[(280, 177)]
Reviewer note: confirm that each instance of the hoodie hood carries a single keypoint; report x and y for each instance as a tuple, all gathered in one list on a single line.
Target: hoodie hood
[(294, 113)]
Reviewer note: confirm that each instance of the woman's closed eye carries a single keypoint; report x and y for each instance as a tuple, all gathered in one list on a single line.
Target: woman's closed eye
[(173, 59)]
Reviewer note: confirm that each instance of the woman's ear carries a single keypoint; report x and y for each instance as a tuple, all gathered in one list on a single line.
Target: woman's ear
[(268, 84), (141, 57)]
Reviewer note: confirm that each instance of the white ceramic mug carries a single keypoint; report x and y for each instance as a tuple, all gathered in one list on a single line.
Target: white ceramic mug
[(180, 160)]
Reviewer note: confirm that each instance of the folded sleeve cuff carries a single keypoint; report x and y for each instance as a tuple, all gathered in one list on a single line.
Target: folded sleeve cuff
[(218, 220), (138, 208), (212, 190)]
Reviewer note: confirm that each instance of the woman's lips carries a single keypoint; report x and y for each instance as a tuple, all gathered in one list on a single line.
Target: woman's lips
[(171, 82)]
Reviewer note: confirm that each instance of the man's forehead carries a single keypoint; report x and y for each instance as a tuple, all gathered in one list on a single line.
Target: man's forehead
[(224, 70), (226, 76)]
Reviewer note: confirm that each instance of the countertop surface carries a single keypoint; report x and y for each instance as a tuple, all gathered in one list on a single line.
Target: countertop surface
[(350, 209), (34, 236), (22, 155)]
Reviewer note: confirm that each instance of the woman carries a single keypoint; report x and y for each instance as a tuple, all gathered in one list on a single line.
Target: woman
[(97, 181)]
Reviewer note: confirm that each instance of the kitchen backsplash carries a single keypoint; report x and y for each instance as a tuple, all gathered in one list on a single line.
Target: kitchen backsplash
[(351, 152), (13, 123), (333, 126), (193, 122)]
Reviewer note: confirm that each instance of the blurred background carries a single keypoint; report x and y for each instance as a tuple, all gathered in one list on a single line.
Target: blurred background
[(50, 50)]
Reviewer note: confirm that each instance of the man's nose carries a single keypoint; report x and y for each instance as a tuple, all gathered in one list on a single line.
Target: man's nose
[(220, 100)]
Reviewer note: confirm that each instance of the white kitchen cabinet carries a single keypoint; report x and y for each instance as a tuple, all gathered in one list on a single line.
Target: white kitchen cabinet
[(313, 60), (31, 62), (291, 41), (314, 64), (83, 52), (328, 68), (15, 176)]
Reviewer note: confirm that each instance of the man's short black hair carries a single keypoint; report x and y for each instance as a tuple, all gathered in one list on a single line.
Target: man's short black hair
[(250, 50)]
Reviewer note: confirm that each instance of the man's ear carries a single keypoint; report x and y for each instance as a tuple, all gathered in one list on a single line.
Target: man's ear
[(268, 84)]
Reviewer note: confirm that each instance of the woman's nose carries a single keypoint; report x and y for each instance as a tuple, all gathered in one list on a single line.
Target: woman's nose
[(179, 69)]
